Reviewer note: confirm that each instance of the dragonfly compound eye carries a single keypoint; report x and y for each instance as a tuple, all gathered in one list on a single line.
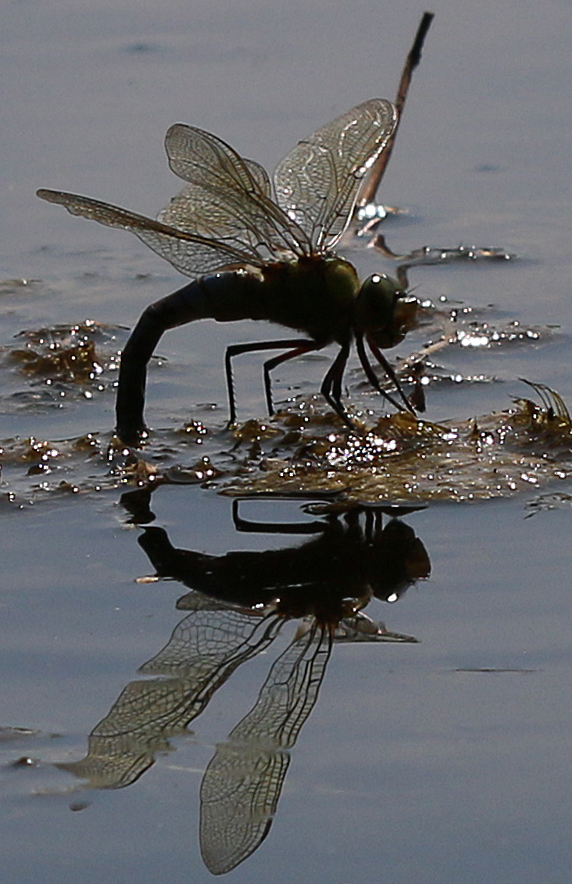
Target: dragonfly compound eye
[(384, 311)]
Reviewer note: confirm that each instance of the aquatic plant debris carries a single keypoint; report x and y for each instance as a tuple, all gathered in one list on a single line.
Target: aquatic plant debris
[(404, 459), (399, 459), (75, 361)]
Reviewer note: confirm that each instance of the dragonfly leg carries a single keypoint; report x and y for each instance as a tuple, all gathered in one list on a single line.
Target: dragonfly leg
[(373, 378), (390, 372), (271, 364), (331, 388), (300, 346)]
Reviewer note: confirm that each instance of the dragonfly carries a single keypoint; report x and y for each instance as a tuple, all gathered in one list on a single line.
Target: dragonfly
[(265, 251)]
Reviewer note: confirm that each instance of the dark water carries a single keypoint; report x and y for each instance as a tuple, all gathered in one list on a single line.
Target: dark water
[(443, 761)]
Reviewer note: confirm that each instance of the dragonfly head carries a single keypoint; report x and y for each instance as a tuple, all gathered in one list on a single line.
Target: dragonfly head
[(384, 311)]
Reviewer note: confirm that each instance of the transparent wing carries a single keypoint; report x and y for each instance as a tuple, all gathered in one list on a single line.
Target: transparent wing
[(260, 176), (204, 159), (200, 212), (202, 653), (211, 642), (227, 195), (242, 784), (318, 182), (191, 254)]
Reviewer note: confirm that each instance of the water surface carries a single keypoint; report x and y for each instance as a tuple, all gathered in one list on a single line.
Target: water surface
[(446, 760)]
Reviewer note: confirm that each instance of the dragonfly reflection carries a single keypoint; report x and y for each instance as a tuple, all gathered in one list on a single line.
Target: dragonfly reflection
[(238, 604)]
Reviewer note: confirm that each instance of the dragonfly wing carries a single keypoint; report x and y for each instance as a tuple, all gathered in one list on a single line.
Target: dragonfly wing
[(241, 189), (242, 784), (202, 653), (211, 640), (317, 184), (200, 157), (191, 254), (289, 693), (201, 212), (204, 159), (260, 176)]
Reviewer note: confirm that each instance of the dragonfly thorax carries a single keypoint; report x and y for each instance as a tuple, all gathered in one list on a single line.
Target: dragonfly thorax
[(314, 294)]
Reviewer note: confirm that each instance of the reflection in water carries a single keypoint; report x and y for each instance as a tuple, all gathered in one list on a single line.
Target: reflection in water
[(237, 606)]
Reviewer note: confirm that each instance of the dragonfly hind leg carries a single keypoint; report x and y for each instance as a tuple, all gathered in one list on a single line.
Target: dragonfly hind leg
[(271, 364), (299, 346)]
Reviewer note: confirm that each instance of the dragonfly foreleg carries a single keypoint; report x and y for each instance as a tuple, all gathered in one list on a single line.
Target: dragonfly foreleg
[(390, 372), (300, 346), (373, 378)]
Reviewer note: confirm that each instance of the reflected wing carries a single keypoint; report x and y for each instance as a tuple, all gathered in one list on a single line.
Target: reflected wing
[(212, 638), (227, 197), (318, 182), (242, 784), (193, 255), (202, 653)]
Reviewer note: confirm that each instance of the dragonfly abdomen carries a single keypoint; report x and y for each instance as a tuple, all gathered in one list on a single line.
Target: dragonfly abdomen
[(225, 297)]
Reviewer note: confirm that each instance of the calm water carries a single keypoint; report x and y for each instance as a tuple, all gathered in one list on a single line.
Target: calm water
[(443, 761)]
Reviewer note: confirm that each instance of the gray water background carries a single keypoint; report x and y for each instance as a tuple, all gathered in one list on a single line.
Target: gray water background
[(410, 769)]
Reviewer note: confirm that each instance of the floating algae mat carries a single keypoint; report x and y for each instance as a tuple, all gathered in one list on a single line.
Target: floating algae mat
[(405, 459), (399, 459)]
